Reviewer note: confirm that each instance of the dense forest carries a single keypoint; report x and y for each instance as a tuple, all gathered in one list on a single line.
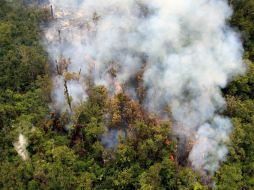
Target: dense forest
[(60, 154)]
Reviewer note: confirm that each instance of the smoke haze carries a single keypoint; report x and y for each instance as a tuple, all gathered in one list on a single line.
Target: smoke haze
[(186, 47), (20, 146)]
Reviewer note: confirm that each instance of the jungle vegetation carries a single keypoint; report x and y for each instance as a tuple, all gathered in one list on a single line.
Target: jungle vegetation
[(77, 158)]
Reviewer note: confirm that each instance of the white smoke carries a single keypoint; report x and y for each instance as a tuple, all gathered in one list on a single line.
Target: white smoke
[(20, 146), (190, 53)]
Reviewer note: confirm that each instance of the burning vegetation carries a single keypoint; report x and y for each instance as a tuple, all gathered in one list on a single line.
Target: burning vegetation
[(144, 72), (131, 99)]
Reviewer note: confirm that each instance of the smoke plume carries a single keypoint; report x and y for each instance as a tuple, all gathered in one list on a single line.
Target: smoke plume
[(187, 51), (20, 146)]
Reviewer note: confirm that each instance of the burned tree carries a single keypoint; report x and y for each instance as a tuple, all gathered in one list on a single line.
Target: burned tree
[(62, 69)]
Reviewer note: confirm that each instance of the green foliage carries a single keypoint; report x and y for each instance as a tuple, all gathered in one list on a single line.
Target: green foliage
[(67, 152), (243, 19), (243, 86), (231, 177), (238, 171), (22, 58), (14, 105)]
